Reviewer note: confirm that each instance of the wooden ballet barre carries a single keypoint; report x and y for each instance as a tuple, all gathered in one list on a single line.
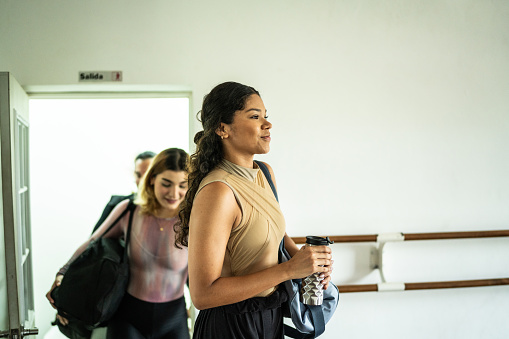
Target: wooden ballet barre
[(456, 235), (426, 285), (381, 239), (414, 236)]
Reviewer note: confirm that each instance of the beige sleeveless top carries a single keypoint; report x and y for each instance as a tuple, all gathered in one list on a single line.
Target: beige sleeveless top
[(253, 245)]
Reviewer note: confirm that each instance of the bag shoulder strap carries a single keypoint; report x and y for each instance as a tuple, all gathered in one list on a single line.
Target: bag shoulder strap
[(318, 319), (130, 207), (316, 311), (266, 172)]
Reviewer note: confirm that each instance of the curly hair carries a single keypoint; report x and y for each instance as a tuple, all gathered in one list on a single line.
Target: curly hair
[(219, 106), (174, 159)]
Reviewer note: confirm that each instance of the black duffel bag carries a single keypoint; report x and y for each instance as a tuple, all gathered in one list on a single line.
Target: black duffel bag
[(96, 281)]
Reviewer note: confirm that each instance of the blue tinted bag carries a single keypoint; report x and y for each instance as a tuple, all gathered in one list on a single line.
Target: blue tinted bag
[(309, 320)]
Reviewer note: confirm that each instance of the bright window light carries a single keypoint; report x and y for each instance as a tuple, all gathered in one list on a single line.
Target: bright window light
[(99, 138), (81, 152)]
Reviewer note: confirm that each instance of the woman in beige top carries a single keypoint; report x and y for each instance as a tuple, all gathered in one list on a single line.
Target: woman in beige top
[(233, 225)]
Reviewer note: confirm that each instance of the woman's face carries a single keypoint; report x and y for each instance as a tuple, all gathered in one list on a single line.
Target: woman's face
[(170, 187), (249, 132)]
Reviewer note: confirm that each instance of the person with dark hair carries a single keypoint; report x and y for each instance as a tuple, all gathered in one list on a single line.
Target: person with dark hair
[(232, 223), (154, 305), (141, 164)]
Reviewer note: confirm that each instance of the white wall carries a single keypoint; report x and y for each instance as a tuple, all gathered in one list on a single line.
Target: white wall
[(389, 116)]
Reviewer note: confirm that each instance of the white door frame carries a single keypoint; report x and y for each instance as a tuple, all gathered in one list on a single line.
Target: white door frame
[(15, 220)]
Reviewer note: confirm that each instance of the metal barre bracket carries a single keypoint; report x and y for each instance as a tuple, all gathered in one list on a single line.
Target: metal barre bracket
[(388, 287), (376, 253)]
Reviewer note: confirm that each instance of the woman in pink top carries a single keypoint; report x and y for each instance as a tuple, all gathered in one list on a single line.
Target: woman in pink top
[(154, 306)]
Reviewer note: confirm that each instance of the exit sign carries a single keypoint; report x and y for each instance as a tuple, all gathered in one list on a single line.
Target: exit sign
[(98, 76)]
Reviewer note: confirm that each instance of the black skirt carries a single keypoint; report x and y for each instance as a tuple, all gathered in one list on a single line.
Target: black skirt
[(254, 318), (138, 319)]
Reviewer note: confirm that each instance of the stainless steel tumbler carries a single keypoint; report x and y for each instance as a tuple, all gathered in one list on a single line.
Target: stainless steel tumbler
[(311, 292)]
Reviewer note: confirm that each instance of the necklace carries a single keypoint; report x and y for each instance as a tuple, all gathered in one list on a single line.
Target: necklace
[(163, 220)]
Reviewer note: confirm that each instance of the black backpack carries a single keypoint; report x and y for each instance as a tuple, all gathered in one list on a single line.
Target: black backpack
[(95, 283)]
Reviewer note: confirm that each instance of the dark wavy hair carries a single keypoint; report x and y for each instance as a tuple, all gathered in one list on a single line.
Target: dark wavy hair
[(174, 159), (219, 106), (145, 155)]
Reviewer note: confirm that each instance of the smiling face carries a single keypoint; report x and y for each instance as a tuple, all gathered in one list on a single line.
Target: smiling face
[(170, 188), (249, 133)]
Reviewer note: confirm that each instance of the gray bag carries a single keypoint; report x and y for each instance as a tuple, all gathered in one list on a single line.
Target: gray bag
[(309, 320)]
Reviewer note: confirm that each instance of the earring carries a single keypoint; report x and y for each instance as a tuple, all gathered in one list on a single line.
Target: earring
[(222, 137)]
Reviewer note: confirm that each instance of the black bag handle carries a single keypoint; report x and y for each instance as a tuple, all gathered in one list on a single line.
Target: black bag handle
[(265, 171), (316, 311), (130, 208)]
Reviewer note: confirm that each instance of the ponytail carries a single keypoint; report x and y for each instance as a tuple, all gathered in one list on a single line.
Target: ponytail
[(219, 106), (209, 153)]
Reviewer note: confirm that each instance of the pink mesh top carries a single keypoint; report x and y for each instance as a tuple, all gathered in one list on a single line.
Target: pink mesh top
[(158, 270)]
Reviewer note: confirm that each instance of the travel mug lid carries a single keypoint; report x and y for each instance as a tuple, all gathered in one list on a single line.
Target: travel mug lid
[(318, 241)]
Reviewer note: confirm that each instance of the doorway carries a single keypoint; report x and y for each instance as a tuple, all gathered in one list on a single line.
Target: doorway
[(82, 151)]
